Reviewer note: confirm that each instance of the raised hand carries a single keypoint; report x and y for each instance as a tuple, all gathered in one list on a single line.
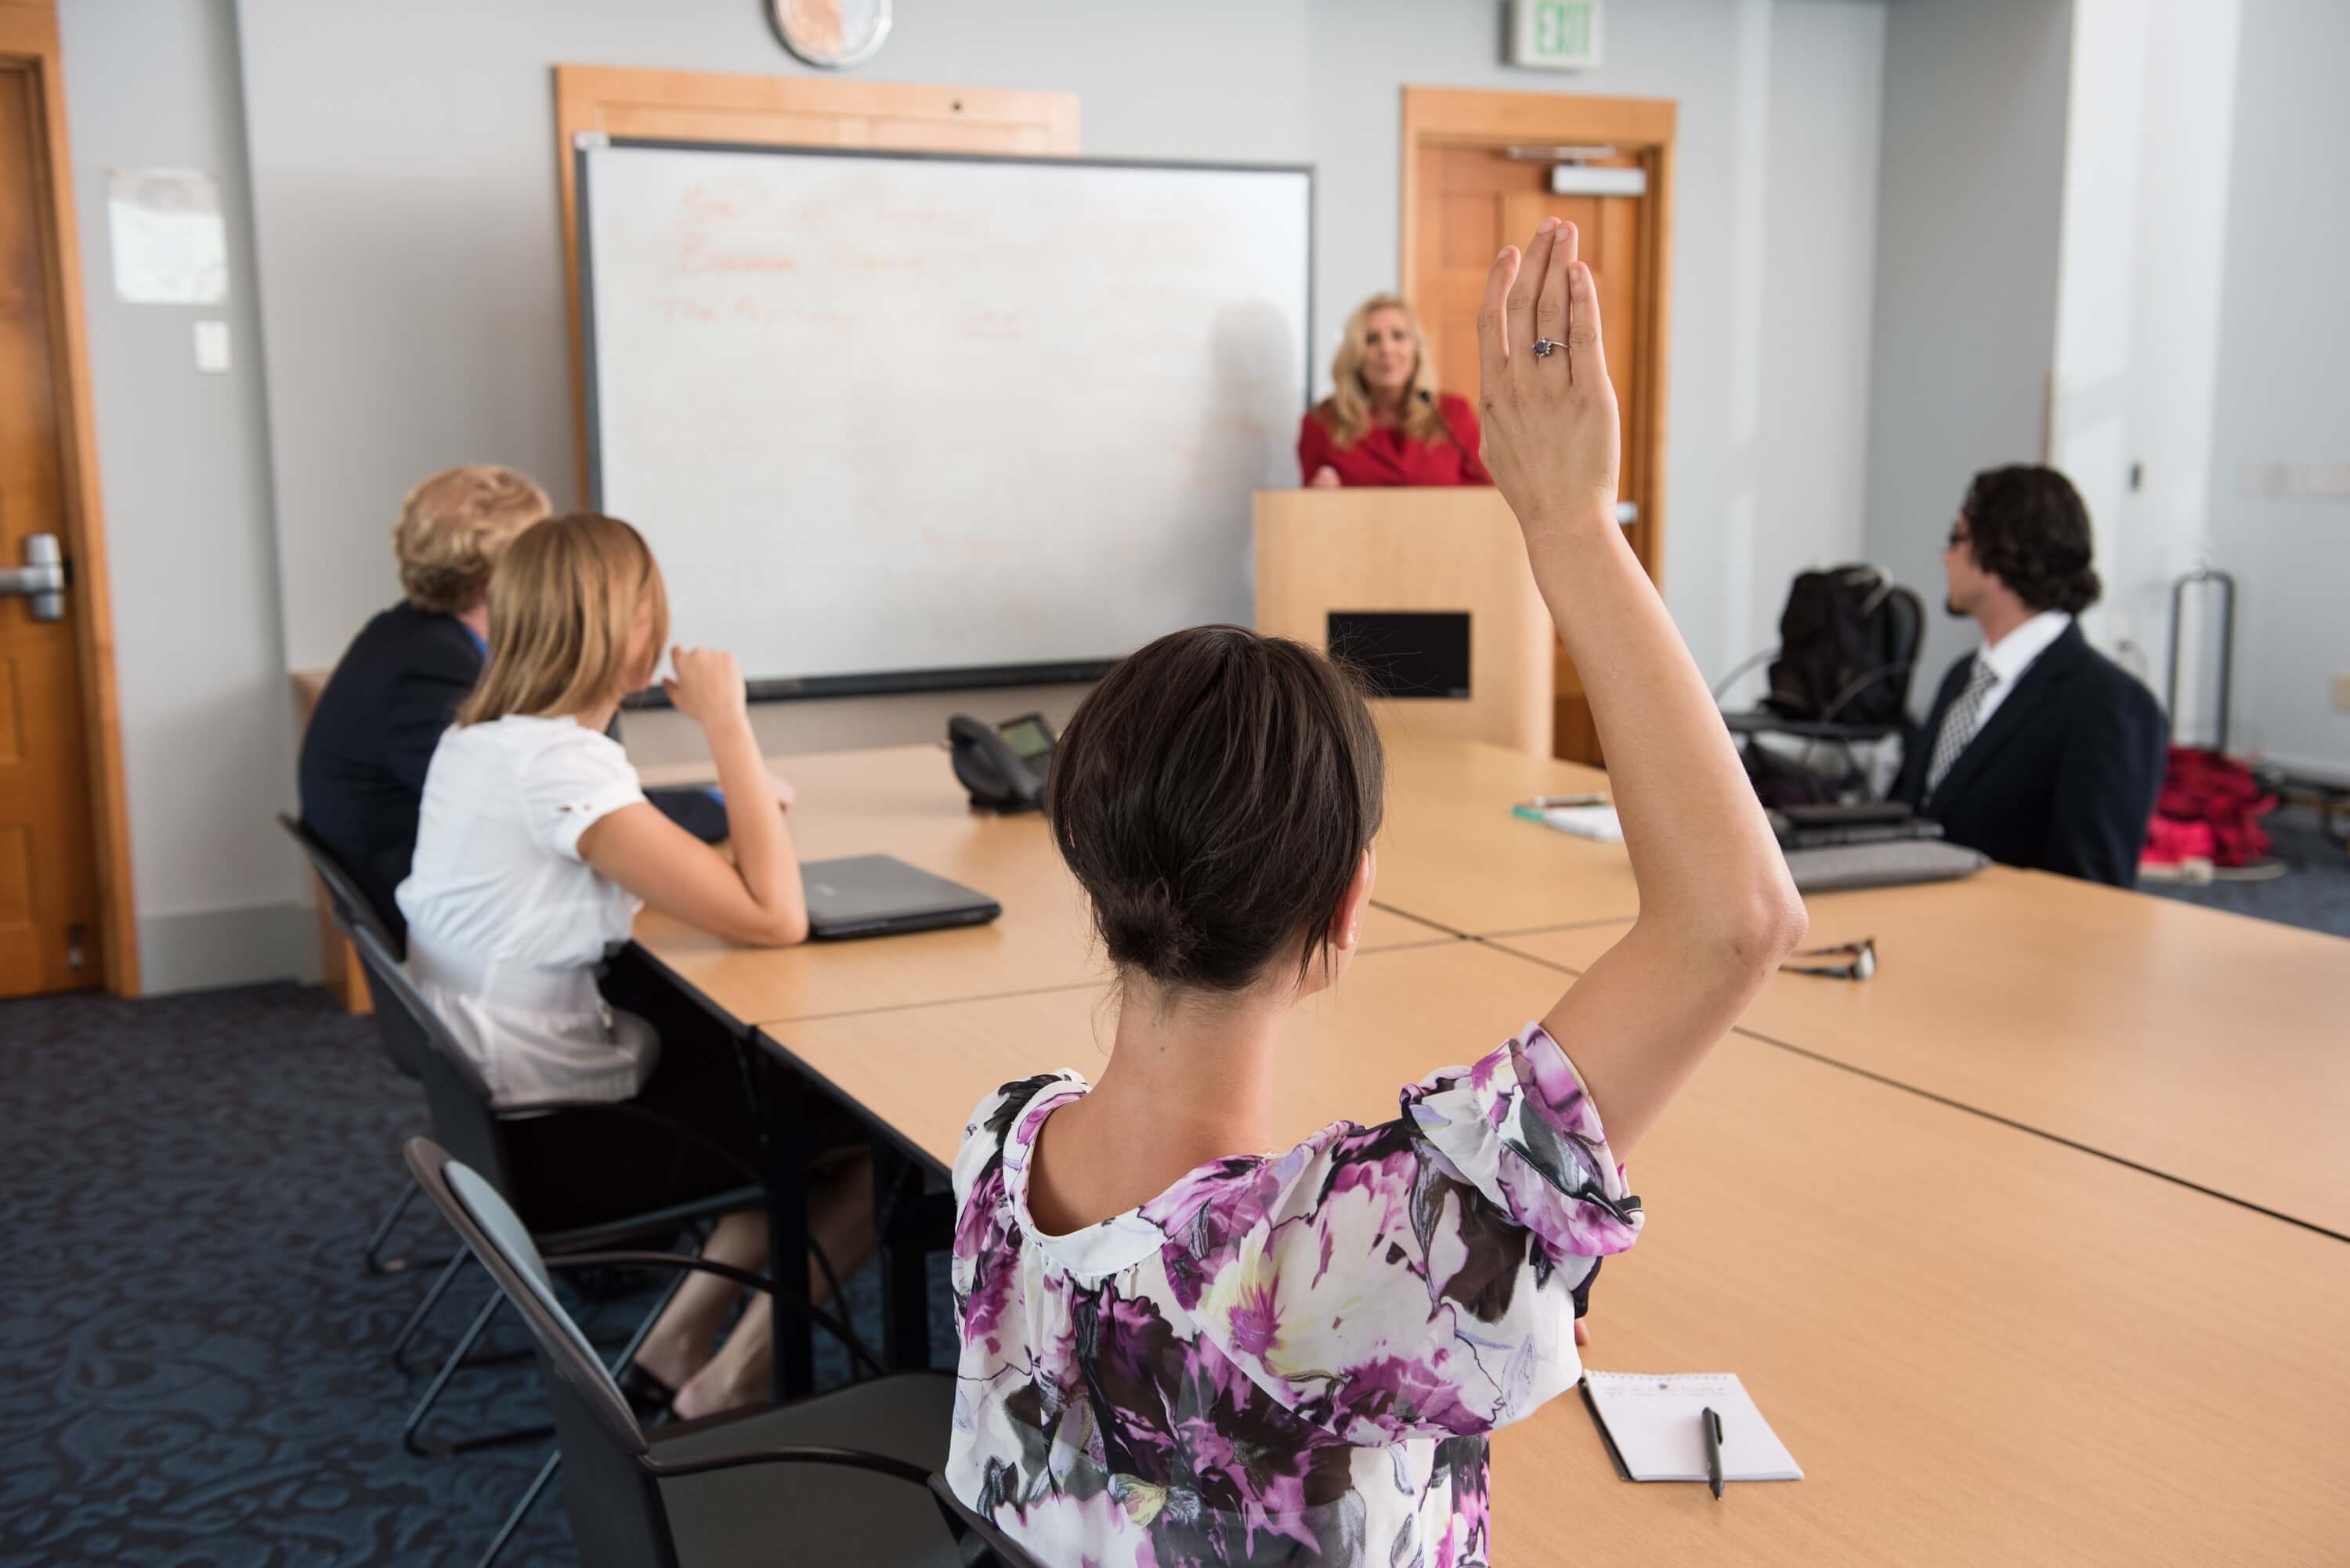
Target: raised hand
[(708, 686), (1551, 434)]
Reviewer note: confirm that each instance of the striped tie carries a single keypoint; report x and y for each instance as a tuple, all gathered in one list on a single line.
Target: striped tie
[(1958, 723)]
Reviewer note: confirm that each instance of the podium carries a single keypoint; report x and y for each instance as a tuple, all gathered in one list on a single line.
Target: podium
[(1428, 593)]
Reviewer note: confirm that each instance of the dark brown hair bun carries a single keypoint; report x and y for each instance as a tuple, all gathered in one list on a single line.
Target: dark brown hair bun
[(1214, 796)]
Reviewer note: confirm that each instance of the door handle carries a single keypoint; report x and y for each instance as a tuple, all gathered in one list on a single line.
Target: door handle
[(42, 578)]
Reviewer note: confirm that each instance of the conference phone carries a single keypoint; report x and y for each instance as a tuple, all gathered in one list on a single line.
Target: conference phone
[(1002, 765)]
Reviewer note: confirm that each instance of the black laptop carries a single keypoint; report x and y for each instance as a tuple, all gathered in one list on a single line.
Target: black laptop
[(881, 896)]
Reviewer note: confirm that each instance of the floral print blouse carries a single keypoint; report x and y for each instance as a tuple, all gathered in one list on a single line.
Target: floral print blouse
[(1283, 1359)]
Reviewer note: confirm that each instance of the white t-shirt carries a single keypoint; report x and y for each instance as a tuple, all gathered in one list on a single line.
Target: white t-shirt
[(506, 922)]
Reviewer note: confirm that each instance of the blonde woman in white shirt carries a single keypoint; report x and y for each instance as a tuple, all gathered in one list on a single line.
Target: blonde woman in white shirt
[(535, 848)]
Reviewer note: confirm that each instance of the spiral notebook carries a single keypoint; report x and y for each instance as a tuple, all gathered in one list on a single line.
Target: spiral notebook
[(1654, 1426)]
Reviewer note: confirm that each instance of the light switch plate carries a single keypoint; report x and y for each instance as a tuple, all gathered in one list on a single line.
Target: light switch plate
[(2342, 692), (211, 348)]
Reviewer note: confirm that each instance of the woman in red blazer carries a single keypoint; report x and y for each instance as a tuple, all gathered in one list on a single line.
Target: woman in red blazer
[(1386, 423)]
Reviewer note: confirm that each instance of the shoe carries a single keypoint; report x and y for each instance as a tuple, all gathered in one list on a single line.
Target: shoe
[(642, 1388)]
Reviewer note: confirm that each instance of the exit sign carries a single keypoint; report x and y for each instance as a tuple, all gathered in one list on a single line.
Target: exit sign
[(1558, 34)]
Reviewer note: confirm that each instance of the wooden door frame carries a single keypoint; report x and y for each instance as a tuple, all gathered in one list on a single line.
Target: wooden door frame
[(697, 105), (1641, 128), (28, 42)]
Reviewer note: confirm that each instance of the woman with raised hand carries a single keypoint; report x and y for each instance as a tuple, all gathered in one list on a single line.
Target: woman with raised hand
[(1177, 1347)]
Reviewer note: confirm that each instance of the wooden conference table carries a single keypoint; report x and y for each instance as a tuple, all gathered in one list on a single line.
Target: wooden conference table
[(1981, 1346), (2205, 1046), (904, 801), (1981, 1343)]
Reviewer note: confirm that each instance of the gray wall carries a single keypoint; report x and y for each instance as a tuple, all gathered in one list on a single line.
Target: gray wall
[(409, 232), (1970, 201), (2138, 379), (405, 222), (2283, 393), (184, 472), (416, 313)]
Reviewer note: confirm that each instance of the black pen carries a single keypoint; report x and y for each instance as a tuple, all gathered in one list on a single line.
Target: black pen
[(1713, 1452)]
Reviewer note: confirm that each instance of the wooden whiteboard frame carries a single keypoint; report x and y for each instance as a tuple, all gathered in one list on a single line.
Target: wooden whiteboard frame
[(779, 111)]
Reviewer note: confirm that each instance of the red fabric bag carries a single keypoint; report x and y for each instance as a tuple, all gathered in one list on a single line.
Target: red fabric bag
[(2209, 790)]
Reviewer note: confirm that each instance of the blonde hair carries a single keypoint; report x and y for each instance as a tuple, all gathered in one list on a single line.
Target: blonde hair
[(564, 605), (453, 527), (1347, 409)]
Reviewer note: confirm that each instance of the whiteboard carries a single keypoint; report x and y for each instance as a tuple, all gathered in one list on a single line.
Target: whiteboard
[(894, 421)]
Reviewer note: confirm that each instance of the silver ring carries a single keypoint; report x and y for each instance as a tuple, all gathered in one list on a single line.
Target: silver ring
[(1544, 348)]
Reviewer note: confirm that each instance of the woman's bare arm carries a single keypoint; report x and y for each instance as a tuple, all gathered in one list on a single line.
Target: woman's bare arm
[(757, 897), (1718, 910)]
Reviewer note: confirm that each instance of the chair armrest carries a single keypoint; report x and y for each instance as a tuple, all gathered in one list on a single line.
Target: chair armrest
[(795, 1454)]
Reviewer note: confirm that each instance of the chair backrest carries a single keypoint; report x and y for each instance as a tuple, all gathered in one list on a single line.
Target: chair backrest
[(1848, 643), (349, 900), (352, 908), (1909, 634), (618, 1516), (456, 1095)]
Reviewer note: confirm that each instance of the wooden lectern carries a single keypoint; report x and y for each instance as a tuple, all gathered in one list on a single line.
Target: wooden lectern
[(1384, 555)]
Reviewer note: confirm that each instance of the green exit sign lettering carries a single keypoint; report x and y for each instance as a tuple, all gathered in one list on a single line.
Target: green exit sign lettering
[(1557, 34)]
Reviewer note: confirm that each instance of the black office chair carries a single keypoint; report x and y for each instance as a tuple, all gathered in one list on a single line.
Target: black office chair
[(1828, 697), (351, 906), (457, 1101), (825, 1480)]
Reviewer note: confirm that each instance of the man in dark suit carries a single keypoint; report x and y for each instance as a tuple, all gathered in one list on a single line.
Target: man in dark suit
[(370, 738), (2040, 751)]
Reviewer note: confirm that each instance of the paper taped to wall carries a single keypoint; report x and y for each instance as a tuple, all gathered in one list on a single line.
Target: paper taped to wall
[(170, 245)]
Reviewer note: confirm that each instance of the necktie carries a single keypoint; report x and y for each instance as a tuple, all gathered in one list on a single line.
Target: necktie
[(1958, 723)]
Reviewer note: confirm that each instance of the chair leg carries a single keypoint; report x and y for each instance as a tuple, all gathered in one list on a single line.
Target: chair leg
[(377, 1263), (443, 1448), (456, 1358), (448, 1370), (521, 1508), (537, 1488), (424, 1308)]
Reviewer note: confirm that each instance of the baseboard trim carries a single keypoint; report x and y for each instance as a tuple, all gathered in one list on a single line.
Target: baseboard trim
[(205, 948)]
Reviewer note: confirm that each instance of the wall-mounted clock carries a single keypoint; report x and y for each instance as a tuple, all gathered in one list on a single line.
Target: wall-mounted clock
[(832, 34)]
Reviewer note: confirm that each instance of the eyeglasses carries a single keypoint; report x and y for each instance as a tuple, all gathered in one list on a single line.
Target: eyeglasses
[(1860, 960)]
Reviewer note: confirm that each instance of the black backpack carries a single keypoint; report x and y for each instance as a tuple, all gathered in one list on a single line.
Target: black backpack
[(1847, 643)]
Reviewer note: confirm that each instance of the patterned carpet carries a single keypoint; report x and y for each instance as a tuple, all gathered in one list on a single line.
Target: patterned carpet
[(192, 1357), (2314, 892)]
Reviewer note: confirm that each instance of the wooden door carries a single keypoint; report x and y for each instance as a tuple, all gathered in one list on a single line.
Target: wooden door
[(1475, 200), (1469, 198), (48, 869)]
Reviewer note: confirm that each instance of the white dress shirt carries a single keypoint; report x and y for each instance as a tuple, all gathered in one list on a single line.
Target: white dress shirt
[(2013, 654)]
